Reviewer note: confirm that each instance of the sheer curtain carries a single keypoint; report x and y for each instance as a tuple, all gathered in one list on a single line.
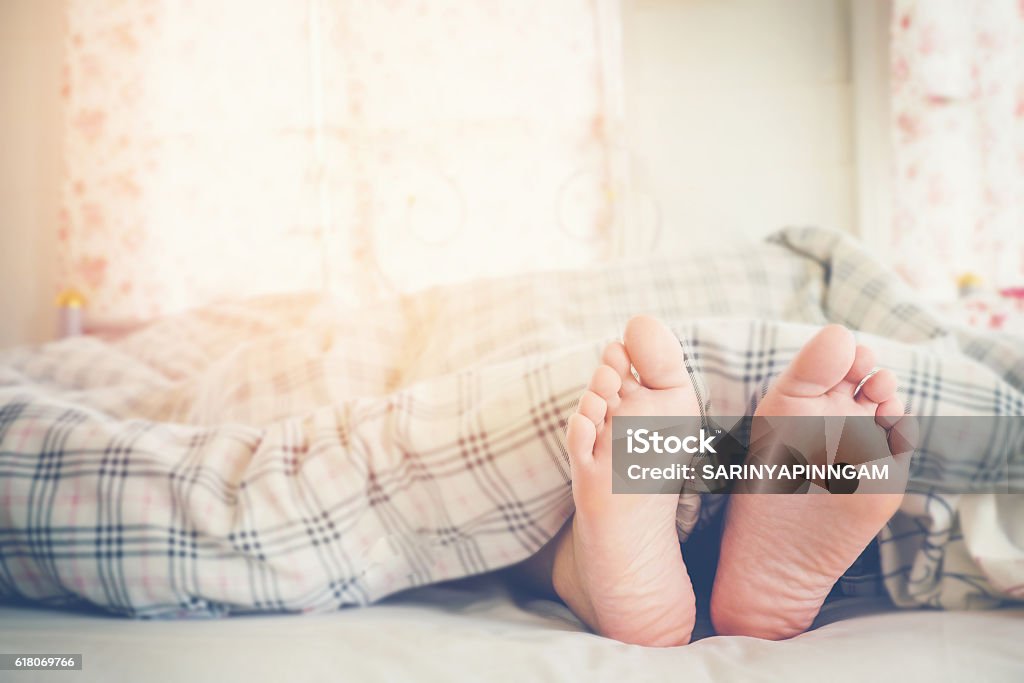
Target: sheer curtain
[(224, 148), (958, 134)]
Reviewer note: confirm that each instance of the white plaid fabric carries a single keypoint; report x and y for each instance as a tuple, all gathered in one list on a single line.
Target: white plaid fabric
[(289, 455)]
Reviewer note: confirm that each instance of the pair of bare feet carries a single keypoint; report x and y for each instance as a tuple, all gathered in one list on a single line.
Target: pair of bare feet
[(618, 564)]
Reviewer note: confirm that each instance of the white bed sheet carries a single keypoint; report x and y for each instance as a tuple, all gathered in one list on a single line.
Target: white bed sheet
[(478, 631)]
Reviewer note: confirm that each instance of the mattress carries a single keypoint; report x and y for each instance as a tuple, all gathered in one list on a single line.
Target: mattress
[(479, 630)]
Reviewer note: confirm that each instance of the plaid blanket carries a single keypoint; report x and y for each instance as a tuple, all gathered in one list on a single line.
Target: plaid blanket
[(291, 455)]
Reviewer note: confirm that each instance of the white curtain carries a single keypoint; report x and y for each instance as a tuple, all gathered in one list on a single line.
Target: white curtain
[(223, 148), (958, 134)]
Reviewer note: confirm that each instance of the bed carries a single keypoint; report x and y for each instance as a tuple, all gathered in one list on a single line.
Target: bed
[(477, 630), (285, 455)]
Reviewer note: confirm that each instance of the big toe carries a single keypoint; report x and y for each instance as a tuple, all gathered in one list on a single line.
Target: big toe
[(821, 364), (655, 353)]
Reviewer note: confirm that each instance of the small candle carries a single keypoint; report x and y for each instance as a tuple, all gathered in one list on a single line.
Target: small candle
[(70, 303)]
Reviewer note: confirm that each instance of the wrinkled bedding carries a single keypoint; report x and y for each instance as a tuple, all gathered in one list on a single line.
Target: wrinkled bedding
[(480, 632), (287, 454)]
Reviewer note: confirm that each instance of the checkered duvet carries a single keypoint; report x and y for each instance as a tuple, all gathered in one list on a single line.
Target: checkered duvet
[(287, 454)]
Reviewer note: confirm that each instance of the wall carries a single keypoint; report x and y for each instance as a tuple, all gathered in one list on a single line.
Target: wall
[(739, 118), (30, 63)]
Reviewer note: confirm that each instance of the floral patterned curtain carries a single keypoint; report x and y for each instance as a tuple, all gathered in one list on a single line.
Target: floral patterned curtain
[(958, 127), (223, 148)]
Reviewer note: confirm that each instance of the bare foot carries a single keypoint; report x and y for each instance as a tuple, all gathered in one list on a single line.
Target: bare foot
[(781, 554), (619, 566)]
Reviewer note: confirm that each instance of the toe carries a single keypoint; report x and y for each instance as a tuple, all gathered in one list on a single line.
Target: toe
[(616, 357), (888, 412), (903, 429), (820, 365), (863, 364), (606, 383), (579, 440), (592, 407), (655, 353), (879, 388), (904, 436)]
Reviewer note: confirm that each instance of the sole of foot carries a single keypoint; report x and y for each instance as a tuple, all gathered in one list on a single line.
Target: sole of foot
[(619, 566), (782, 553)]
